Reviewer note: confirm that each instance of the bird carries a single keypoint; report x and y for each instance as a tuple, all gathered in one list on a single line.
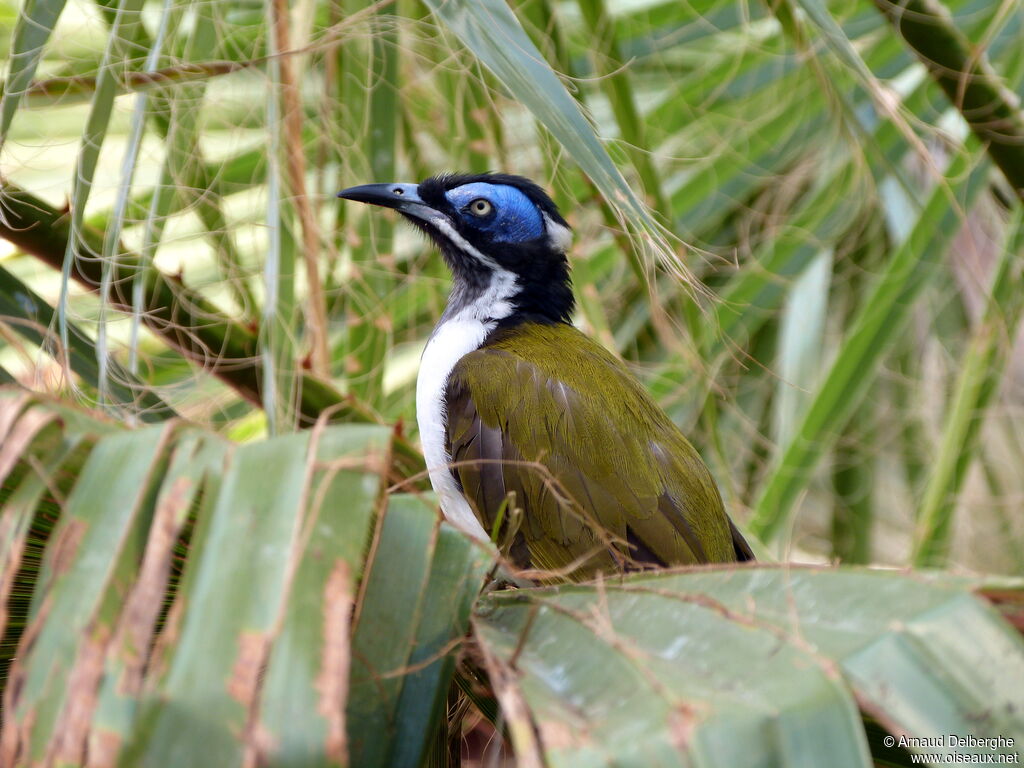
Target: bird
[(535, 436)]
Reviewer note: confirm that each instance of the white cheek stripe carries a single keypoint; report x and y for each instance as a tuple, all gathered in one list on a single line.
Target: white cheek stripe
[(559, 236), (462, 243)]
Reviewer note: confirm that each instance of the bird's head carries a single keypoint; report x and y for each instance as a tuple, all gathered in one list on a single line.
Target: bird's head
[(499, 234)]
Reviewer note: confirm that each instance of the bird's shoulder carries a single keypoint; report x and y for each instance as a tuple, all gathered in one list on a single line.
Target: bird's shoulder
[(556, 358)]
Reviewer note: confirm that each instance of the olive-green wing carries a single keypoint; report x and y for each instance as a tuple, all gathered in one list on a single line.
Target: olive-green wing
[(602, 478)]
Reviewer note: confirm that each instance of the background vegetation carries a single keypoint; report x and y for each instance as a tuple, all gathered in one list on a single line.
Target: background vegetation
[(783, 222), (788, 156)]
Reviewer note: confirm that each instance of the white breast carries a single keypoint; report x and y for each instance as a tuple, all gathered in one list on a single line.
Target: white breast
[(451, 340), (458, 335)]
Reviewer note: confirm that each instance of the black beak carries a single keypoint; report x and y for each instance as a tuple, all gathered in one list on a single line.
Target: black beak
[(404, 198)]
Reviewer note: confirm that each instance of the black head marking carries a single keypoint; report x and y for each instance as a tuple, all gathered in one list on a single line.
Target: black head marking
[(490, 227)]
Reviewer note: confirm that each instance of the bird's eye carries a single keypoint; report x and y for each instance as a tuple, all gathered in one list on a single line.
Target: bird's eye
[(480, 207)]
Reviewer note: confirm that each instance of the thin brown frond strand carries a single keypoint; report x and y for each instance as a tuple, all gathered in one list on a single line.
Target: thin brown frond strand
[(295, 166), (964, 74)]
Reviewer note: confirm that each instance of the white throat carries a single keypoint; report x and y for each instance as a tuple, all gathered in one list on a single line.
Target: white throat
[(462, 329)]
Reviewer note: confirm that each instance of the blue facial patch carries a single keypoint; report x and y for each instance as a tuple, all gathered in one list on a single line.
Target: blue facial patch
[(515, 219)]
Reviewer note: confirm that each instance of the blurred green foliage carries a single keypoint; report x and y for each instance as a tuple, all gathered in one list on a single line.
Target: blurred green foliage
[(825, 270)]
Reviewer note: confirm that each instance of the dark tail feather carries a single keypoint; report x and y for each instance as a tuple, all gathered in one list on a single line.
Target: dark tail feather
[(739, 544)]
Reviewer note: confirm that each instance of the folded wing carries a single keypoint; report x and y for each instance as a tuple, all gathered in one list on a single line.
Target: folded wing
[(550, 433)]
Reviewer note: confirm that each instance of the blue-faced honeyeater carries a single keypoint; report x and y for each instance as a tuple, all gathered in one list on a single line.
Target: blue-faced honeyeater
[(531, 429)]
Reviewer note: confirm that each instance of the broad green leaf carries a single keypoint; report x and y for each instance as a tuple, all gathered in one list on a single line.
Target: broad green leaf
[(756, 666), (258, 627), (916, 649), (422, 581), (91, 556), (194, 462), (623, 675), (302, 701), (456, 574), (246, 554)]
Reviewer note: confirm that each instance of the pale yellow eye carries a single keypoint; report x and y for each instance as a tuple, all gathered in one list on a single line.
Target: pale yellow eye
[(480, 207)]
